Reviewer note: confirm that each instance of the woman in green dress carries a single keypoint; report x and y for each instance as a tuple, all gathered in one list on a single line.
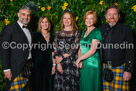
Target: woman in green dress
[(89, 60)]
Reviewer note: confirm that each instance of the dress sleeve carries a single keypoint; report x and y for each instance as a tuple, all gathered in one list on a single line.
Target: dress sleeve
[(98, 35), (76, 43), (56, 53)]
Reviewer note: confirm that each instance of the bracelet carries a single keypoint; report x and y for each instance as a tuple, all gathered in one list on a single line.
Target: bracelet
[(62, 56), (54, 64)]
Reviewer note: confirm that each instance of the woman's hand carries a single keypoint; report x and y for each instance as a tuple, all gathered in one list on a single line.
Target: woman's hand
[(53, 69), (66, 55), (58, 59), (77, 62), (59, 68), (80, 65)]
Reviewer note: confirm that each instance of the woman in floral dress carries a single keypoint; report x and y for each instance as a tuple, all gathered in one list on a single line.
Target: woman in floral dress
[(66, 48)]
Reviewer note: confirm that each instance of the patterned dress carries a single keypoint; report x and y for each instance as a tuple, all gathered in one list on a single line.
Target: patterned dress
[(67, 42)]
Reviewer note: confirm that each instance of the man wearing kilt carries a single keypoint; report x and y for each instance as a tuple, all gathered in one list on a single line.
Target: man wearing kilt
[(16, 58), (117, 53)]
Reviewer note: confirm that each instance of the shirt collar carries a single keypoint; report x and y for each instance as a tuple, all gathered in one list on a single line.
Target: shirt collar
[(20, 24)]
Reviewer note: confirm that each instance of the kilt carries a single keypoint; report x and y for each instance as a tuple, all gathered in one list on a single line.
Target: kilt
[(118, 84), (18, 84)]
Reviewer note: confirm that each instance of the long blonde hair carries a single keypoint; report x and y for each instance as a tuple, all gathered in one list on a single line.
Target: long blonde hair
[(73, 22)]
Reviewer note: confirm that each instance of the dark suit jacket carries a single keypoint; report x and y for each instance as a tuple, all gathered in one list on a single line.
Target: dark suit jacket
[(120, 34), (13, 58)]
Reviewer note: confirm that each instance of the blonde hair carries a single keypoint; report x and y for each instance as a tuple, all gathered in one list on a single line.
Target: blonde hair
[(73, 22), (39, 24), (92, 13)]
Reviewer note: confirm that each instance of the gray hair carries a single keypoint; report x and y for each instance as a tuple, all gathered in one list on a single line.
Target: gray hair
[(25, 7)]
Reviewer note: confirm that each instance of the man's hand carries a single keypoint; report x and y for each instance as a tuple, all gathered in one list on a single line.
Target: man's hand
[(127, 76), (8, 74)]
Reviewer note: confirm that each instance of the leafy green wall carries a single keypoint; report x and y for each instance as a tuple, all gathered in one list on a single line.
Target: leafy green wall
[(55, 8)]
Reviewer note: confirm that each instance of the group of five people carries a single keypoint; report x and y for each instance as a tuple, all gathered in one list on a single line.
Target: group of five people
[(73, 58)]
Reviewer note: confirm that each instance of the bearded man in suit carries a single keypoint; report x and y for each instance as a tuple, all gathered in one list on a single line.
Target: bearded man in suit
[(16, 58)]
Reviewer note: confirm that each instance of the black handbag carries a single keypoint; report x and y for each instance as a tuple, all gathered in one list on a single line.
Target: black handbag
[(108, 75), (27, 70)]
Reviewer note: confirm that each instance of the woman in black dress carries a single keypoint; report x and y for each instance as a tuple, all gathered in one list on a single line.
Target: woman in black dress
[(42, 56), (66, 47)]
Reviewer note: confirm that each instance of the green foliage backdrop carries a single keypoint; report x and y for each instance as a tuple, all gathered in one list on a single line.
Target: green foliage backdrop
[(54, 9)]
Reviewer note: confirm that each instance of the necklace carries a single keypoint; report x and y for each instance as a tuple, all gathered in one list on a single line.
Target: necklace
[(45, 35), (88, 31)]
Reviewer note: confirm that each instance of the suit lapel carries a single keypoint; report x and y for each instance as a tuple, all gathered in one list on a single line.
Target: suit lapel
[(21, 33)]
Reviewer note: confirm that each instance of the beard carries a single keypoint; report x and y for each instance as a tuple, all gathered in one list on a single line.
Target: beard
[(24, 21), (112, 24)]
